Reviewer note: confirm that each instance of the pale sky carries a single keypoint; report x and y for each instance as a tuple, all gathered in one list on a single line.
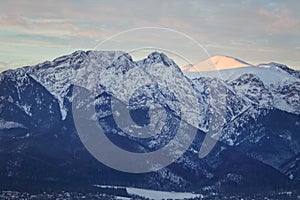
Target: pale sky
[(32, 31)]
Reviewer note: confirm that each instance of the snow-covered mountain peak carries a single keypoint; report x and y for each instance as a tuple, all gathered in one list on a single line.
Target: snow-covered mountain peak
[(228, 61), (215, 63)]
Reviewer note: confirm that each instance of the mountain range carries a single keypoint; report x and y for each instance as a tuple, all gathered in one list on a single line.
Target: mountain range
[(258, 148)]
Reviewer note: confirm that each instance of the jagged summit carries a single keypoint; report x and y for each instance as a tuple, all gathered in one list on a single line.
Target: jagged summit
[(157, 57), (160, 57)]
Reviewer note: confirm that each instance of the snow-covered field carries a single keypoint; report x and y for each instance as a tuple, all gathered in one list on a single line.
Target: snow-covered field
[(154, 194)]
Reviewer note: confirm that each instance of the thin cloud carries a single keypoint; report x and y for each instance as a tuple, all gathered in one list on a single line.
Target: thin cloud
[(242, 29), (280, 21)]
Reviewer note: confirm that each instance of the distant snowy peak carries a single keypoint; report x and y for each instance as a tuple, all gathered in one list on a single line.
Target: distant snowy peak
[(271, 74), (215, 63)]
